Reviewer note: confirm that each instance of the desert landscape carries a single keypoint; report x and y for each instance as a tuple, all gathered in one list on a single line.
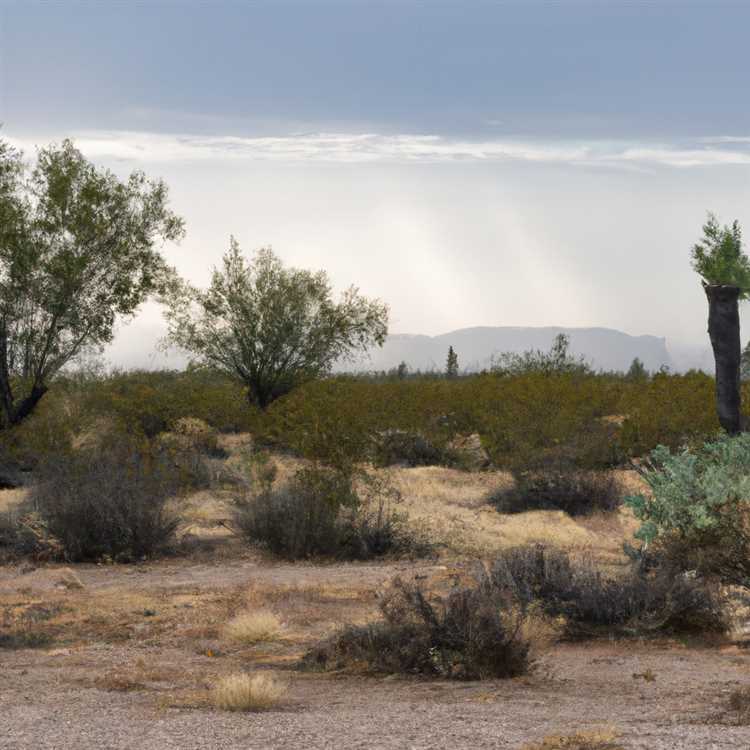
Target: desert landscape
[(372, 375), (127, 655)]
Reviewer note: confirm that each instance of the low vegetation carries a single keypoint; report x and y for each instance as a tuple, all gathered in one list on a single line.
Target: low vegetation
[(109, 501), (593, 739), (696, 514), (253, 627), (327, 512), (245, 692), (590, 603), (475, 632), (576, 492)]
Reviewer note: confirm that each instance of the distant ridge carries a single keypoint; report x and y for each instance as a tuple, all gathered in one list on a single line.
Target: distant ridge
[(604, 348)]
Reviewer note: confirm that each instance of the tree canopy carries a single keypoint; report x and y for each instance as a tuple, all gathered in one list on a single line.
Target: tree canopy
[(271, 326), (77, 250), (718, 257)]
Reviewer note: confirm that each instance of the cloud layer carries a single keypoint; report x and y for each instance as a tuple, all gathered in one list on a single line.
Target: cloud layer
[(408, 148)]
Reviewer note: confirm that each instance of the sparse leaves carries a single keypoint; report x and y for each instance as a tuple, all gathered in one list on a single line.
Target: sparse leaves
[(271, 326)]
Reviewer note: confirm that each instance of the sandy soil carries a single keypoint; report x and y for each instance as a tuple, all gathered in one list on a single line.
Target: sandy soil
[(136, 648), (126, 654)]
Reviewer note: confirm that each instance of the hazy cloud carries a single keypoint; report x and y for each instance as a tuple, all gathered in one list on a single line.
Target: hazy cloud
[(372, 147)]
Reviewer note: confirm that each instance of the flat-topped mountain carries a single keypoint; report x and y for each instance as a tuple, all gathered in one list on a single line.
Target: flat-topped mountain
[(604, 348)]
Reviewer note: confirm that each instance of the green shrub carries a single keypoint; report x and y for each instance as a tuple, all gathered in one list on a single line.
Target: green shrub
[(326, 512), (696, 513), (473, 633), (150, 402), (574, 492), (636, 602), (109, 501)]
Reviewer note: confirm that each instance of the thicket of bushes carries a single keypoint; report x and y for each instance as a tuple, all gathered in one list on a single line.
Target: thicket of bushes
[(525, 421), (493, 626), (473, 633)]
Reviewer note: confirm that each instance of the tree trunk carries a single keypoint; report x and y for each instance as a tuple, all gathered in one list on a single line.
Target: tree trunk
[(724, 331)]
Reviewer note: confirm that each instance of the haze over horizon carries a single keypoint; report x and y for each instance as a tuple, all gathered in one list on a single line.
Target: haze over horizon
[(473, 164)]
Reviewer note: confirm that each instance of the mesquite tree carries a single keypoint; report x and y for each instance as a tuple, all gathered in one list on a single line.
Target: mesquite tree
[(272, 327), (77, 250), (725, 271)]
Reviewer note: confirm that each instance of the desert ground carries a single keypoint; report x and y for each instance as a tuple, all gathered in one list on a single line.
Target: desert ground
[(125, 655)]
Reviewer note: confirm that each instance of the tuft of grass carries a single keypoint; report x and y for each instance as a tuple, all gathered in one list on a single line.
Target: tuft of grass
[(244, 692), (253, 627), (597, 739)]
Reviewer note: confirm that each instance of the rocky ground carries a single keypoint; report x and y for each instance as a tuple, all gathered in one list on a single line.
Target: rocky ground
[(132, 651)]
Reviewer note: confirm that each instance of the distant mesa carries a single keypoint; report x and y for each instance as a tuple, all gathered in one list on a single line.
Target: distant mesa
[(603, 348)]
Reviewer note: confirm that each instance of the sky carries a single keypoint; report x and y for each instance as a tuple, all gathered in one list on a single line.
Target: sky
[(471, 163)]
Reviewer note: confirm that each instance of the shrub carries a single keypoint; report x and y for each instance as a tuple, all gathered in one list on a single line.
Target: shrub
[(576, 492), (25, 639), (244, 692), (253, 627), (326, 512), (636, 602), (474, 633), (696, 513), (109, 501), (148, 402), (739, 705), (398, 447)]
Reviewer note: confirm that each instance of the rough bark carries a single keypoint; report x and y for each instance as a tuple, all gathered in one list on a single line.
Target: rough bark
[(724, 332)]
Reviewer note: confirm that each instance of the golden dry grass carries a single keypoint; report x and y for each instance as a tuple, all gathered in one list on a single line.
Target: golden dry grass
[(452, 506), (244, 692), (9, 499), (596, 739), (253, 627)]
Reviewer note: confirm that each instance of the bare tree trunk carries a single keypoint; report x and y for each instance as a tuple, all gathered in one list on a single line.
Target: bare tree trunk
[(724, 331)]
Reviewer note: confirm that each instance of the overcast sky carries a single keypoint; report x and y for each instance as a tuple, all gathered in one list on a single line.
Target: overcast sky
[(472, 163)]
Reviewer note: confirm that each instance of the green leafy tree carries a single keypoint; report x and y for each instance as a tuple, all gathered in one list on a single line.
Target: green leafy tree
[(718, 257), (724, 268), (451, 364), (637, 370), (271, 326), (78, 248)]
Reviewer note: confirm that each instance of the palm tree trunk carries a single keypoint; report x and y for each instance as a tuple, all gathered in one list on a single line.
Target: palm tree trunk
[(724, 332)]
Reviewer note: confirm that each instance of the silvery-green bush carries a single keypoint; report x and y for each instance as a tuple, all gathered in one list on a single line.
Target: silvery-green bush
[(694, 494)]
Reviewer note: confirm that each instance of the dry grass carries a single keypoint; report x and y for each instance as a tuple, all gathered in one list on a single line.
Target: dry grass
[(453, 508), (253, 627), (244, 692), (597, 739)]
